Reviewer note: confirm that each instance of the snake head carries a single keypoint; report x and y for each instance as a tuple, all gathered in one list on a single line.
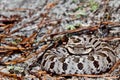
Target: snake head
[(79, 45)]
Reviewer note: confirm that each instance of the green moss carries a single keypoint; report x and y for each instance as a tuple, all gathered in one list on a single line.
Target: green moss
[(70, 27), (93, 5)]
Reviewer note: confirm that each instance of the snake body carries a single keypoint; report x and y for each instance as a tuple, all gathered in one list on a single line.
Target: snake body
[(81, 55)]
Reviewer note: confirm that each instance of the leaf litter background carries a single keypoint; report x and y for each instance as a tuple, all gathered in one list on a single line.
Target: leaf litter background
[(25, 26)]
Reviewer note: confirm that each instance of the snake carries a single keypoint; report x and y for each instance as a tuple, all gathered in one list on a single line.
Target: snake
[(80, 55)]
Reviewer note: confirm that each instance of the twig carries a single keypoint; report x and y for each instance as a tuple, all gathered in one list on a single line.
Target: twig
[(110, 39), (115, 66), (29, 39), (92, 76), (11, 75), (11, 48), (88, 29)]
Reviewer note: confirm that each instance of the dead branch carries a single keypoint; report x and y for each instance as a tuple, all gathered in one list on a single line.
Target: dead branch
[(21, 59)]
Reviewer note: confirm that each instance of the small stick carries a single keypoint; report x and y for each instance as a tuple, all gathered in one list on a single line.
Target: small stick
[(11, 48), (11, 75), (115, 66), (92, 76)]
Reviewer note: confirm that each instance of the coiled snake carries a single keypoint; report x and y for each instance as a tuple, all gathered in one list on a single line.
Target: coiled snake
[(81, 55)]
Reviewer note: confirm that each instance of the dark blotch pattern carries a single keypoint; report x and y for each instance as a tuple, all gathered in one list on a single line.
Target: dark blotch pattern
[(52, 65), (97, 45), (95, 42), (108, 59), (65, 65), (96, 64), (44, 62), (90, 39), (84, 39), (80, 66)]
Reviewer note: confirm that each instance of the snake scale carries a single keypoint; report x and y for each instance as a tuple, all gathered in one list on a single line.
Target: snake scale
[(81, 55)]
